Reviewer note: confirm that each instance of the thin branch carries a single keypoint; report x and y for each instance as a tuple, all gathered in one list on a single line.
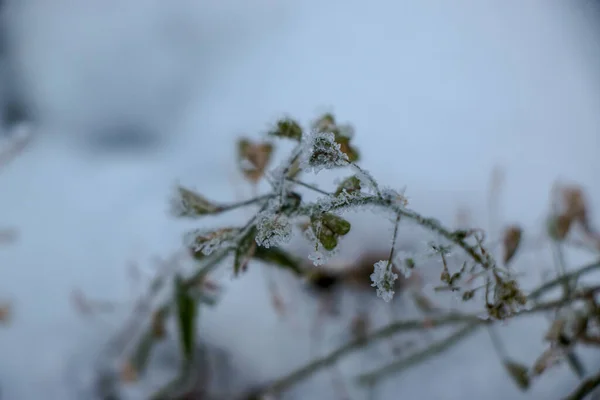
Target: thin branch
[(308, 186), (546, 287), (473, 320), (586, 387), (245, 203), (371, 378)]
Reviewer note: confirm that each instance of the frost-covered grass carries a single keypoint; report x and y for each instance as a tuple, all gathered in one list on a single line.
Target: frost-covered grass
[(439, 94)]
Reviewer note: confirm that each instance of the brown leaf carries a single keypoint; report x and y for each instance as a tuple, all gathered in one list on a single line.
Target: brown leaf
[(574, 201), (254, 158), (518, 372), (511, 241)]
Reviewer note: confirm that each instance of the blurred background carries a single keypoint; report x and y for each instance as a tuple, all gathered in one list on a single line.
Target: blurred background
[(122, 100)]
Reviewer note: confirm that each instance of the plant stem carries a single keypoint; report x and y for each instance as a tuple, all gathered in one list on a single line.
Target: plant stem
[(308, 186), (371, 378), (473, 321), (245, 203), (586, 387)]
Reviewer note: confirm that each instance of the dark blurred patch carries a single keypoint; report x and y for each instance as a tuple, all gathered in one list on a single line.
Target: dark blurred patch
[(122, 139)]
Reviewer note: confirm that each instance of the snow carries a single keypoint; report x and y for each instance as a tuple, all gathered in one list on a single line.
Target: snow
[(439, 93)]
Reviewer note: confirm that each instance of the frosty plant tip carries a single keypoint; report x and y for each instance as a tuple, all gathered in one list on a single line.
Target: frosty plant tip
[(327, 145)]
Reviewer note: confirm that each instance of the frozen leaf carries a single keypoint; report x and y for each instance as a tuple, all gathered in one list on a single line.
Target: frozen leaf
[(254, 158), (287, 128), (349, 185), (291, 203), (511, 241), (518, 373), (274, 229), (188, 203), (187, 310), (323, 152), (345, 147), (280, 258), (244, 251), (207, 242)]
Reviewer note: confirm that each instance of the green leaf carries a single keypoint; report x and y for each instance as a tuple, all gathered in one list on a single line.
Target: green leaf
[(287, 128), (187, 311), (280, 258), (245, 251), (328, 239), (336, 224)]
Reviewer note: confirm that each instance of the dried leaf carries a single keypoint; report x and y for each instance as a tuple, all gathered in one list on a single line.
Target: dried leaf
[(511, 241), (549, 358), (191, 204), (574, 201), (254, 158), (518, 372)]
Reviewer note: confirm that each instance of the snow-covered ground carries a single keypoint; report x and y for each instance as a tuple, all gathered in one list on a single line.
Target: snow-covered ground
[(439, 92)]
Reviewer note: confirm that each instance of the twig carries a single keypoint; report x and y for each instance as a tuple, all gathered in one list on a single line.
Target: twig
[(473, 321), (308, 186), (537, 293), (371, 378), (586, 387)]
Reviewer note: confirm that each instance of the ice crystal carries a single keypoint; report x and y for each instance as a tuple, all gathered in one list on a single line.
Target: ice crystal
[(383, 279)]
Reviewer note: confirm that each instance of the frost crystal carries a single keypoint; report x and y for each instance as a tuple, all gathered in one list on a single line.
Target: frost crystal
[(321, 151), (383, 279), (273, 229)]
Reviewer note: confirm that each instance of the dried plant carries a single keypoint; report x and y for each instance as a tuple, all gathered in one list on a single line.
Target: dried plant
[(491, 290)]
